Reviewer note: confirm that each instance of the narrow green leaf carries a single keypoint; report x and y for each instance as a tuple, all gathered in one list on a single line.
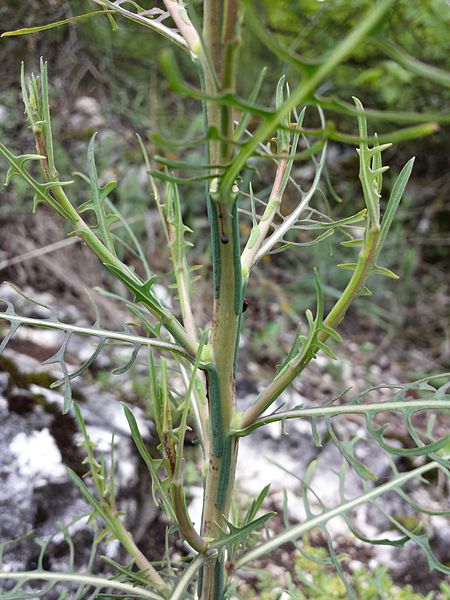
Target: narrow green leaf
[(364, 291), (367, 157), (394, 201), (129, 363), (164, 176), (92, 500), (44, 114), (153, 465), (79, 578), (335, 104), (352, 243), (295, 349), (42, 190), (328, 351), (59, 359), (422, 540), (243, 122), (356, 218), (142, 291), (256, 504), (346, 449), (423, 450), (384, 271), (27, 30), (14, 327), (350, 266)]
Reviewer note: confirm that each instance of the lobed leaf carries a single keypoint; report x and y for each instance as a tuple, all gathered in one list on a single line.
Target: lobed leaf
[(42, 190), (97, 202), (238, 534)]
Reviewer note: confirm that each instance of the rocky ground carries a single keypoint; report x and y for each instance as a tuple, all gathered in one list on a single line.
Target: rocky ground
[(38, 443)]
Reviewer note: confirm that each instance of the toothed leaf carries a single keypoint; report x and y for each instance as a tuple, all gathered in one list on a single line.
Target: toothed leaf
[(97, 201), (142, 291), (384, 271), (239, 535)]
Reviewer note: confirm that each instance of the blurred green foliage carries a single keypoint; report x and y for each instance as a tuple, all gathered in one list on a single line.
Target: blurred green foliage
[(313, 581), (420, 27)]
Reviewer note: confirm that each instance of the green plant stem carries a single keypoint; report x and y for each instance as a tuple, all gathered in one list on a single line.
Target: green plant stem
[(333, 411), (221, 464), (212, 66), (176, 473), (108, 258), (253, 246), (220, 46), (127, 541), (83, 579), (412, 64), (179, 593), (101, 333), (183, 520), (364, 264), (398, 135), (339, 106)]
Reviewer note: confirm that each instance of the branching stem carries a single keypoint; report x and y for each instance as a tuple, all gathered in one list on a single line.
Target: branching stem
[(253, 246)]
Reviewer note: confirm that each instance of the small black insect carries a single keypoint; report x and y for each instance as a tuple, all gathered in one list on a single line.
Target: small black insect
[(33, 563)]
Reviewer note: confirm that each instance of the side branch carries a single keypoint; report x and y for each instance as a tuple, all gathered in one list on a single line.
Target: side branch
[(349, 409), (297, 364)]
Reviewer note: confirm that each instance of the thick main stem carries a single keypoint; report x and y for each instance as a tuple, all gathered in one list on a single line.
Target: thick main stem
[(220, 45), (221, 395)]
